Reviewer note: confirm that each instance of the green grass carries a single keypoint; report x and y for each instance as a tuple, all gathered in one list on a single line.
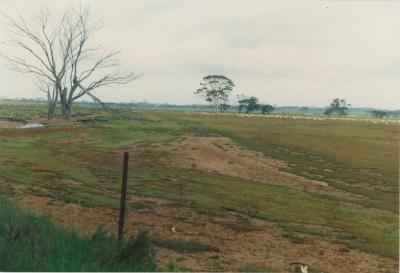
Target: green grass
[(376, 230), (123, 133), (346, 154), (32, 243), (25, 110)]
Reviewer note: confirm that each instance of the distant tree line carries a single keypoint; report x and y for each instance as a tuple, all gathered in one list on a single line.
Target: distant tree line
[(379, 113), (339, 107), (217, 89)]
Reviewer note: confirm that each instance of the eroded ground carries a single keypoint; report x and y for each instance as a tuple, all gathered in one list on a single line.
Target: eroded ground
[(221, 155)]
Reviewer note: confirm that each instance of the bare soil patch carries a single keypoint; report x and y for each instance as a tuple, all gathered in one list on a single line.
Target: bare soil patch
[(220, 154)]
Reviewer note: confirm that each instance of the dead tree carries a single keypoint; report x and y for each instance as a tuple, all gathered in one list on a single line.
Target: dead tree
[(60, 55), (94, 98), (52, 96)]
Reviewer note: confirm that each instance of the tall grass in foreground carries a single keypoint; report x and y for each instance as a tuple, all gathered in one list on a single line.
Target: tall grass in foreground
[(32, 243)]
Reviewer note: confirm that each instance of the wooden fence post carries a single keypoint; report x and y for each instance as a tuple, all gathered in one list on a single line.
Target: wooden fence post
[(123, 197)]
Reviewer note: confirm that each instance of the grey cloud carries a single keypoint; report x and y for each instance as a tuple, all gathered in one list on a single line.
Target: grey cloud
[(286, 53), (155, 6)]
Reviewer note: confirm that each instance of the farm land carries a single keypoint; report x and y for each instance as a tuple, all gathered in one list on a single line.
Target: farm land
[(215, 192)]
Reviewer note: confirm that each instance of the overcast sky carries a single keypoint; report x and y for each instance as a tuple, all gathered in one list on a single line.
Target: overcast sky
[(284, 52)]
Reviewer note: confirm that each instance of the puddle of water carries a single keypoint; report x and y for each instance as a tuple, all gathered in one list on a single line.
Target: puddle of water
[(31, 125)]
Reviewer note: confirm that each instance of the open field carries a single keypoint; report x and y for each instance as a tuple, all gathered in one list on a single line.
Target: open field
[(243, 194)]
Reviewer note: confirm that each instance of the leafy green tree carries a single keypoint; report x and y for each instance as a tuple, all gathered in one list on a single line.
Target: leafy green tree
[(338, 107), (248, 104), (266, 109), (216, 90)]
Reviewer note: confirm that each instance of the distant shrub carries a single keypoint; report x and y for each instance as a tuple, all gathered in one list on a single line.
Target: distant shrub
[(248, 104), (266, 109)]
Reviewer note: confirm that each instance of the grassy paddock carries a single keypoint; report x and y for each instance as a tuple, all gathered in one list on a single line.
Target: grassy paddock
[(372, 230), (79, 162), (356, 156)]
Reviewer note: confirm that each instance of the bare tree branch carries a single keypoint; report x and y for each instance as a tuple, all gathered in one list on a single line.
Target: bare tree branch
[(61, 57)]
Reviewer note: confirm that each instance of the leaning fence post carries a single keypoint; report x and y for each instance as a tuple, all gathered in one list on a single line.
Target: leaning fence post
[(123, 196)]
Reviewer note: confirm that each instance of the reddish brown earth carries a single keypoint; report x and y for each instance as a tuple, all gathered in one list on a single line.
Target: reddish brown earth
[(266, 245), (220, 154)]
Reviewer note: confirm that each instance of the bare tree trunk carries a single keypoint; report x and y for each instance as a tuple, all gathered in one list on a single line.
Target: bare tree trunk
[(51, 109), (66, 110), (52, 98), (65, 104), (216, 106)]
